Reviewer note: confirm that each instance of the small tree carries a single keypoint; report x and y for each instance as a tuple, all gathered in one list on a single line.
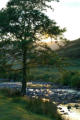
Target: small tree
[(23, 21)]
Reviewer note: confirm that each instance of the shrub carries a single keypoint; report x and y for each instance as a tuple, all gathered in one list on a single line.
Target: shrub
[(71, 79), (65, 78), (44, 108), (10, 92), (75, 81)]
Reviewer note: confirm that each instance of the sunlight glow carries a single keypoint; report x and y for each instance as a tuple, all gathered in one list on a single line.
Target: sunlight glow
[(47, 40)]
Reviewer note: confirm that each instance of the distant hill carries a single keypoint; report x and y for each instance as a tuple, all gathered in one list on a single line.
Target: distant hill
[(72, 49), (55, 45)]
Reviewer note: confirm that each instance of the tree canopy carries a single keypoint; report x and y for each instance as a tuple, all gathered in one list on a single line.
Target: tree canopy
[(24, 21)]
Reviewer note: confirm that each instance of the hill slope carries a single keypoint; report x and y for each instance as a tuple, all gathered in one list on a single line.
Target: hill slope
[(71, 50)]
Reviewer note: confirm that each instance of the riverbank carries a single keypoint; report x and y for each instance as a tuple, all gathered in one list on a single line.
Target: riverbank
[(61, 96), (14, 107)]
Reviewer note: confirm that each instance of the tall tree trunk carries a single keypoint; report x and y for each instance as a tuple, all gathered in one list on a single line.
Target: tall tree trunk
[(23, 91)]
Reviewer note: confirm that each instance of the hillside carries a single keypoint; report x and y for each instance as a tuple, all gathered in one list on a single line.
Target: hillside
[(72, 49)]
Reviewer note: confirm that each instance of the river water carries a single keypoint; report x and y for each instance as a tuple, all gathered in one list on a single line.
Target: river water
[(72, 114)]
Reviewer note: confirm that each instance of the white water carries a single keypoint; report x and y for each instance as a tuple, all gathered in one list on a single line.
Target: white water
[(72, 114)]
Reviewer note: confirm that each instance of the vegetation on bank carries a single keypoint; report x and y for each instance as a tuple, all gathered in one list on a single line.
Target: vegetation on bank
[(15, 107), (71, 79), (68, 77)]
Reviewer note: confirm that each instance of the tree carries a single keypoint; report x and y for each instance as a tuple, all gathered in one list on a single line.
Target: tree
[(24, 21)]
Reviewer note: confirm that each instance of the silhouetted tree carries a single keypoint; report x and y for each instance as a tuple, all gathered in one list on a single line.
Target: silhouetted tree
[(24, 21)]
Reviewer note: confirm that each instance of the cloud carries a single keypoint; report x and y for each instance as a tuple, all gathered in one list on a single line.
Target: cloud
[(71, 3), (3, 3), (66, 14)]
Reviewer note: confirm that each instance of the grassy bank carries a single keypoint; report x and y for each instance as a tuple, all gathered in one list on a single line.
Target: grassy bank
[(23, 108)]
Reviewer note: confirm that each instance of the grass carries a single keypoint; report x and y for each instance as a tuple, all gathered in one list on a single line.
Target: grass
[(43, 73), (17, 108), (49, 74)]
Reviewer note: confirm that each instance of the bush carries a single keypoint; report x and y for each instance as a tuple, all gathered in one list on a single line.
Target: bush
[(75, 81), (71, 79), (44, 108), (65, 78), (38, 106), (10, 92)]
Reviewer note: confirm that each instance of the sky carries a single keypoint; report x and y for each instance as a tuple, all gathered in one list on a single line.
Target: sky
[(66, 14)]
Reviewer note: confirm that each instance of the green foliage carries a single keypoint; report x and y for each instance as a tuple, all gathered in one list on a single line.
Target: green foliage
[(44, 108), (22, 108), (24, 21), (11, 109), (66, 78), (10, 92), (44, 74), (71, 79), (39, 107), (75, 82)]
